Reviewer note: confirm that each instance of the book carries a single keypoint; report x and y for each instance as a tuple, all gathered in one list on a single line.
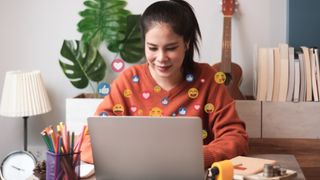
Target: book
[(270, 74), (245, 166), (307, 67), (313, 75), (284, 72), (291, 81), (316, 54), (276, 77), (302, 96), (296, 90), (255, 72), (262, 74)]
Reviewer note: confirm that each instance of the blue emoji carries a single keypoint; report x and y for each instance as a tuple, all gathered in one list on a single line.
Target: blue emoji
[(104, 89), (135, 78), (189, 77), (182, 111), (165, 101), (103, 114)]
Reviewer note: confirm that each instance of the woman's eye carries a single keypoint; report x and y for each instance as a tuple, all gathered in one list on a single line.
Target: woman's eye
[(152, 48), (171, 48)]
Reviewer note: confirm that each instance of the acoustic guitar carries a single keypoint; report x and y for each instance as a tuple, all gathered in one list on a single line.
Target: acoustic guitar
[(232, 70)]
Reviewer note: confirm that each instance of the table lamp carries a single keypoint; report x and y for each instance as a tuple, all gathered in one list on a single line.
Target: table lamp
[(24, 95)]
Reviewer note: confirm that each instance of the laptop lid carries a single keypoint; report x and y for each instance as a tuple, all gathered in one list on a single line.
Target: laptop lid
[(144, 147)]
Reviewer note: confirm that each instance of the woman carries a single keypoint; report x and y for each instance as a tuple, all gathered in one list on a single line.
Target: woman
[(172, 84)]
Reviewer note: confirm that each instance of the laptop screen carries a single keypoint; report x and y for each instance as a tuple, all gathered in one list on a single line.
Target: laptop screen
[(144, 147)]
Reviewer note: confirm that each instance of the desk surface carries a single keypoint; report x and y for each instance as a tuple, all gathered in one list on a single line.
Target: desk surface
[(285, 160)]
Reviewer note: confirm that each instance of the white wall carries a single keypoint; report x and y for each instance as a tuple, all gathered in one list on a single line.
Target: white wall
[(31, 35)]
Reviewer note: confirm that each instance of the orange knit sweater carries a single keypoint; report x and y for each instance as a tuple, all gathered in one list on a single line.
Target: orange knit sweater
[(135, 93)]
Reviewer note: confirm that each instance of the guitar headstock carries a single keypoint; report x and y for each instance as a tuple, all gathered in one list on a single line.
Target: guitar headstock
[(229, 6)]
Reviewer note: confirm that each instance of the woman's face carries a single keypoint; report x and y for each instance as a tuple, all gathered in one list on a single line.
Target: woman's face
[(165, 51)]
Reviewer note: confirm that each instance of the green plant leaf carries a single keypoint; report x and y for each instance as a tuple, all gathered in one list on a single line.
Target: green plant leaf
[(109, 21), (82, 63)]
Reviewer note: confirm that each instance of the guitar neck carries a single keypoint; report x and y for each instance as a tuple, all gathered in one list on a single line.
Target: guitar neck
[(226, 45)]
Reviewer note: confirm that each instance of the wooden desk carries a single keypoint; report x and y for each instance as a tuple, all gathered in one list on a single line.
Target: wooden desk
[(306, 151), (285, 160)]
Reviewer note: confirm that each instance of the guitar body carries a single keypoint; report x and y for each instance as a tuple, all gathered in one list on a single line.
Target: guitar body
[(234, 80), (232, 70)]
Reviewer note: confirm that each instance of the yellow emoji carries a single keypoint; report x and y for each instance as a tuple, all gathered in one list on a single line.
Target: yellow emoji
[(118, 109), (127, 93), (155, 111), (220, 77), (140, 112), (204, 134), (193, 93), (209, 108), (157, 89)]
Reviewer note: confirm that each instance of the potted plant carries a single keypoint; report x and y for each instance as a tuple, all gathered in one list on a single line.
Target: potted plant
[(103, 23)]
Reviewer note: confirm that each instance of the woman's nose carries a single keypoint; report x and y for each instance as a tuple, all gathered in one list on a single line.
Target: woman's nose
[(162, 56)]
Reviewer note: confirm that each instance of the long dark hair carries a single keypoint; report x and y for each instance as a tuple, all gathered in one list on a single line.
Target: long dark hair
[(180, 16)]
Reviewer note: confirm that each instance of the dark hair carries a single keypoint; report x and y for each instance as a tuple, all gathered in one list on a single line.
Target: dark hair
[(180, 16)]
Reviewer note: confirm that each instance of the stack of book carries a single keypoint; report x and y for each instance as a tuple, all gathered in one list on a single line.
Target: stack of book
[(285, 74)]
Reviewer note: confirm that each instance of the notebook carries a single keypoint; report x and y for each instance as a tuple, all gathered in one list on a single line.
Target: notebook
[(143, 147)]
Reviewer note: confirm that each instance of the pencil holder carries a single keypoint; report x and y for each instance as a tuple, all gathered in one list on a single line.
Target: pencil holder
[(63, 166)]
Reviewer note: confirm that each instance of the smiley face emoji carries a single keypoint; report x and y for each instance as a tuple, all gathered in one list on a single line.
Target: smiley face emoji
[(118, 109), (127, 93), (193, 93), (220, 77), (157, 89), (155, 111), (204, 134), (209, 108)]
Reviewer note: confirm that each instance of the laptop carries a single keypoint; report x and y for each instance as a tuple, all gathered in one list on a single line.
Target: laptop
[(144, 147)]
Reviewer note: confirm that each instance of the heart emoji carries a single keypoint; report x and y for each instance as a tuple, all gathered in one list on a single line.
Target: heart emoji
[(117, 65), (145, 95), (196, 107), (133, 108)]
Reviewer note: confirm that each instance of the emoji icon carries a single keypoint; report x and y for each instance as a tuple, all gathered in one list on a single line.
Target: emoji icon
[(182, 111), (157, 89), (140, 112), (155, 111), (204, 134), (103, 114), (117, 65), (220, 77), (133, 109), (193, 93), (196, 107), (165, 101), (189, 77), (145, 95), (104, 89), (135, 78), (127, 93), (118, 109), (209, 108)]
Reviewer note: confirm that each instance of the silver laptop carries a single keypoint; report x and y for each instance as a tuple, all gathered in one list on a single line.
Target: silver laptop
[(147, 148)]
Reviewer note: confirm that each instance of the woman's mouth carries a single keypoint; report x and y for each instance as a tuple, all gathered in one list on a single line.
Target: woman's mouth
[(163, 68)]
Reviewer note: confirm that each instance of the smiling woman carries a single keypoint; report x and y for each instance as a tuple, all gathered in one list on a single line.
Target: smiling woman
[(171, 83)]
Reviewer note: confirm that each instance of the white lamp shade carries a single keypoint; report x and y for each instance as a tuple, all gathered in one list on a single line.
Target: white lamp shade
[(24, 95)]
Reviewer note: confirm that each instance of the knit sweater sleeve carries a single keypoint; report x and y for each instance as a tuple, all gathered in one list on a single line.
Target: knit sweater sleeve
[(230, 138), (115, 97)]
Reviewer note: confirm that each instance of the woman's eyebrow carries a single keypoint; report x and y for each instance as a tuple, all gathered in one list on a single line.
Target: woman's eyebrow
[(170, 44)]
